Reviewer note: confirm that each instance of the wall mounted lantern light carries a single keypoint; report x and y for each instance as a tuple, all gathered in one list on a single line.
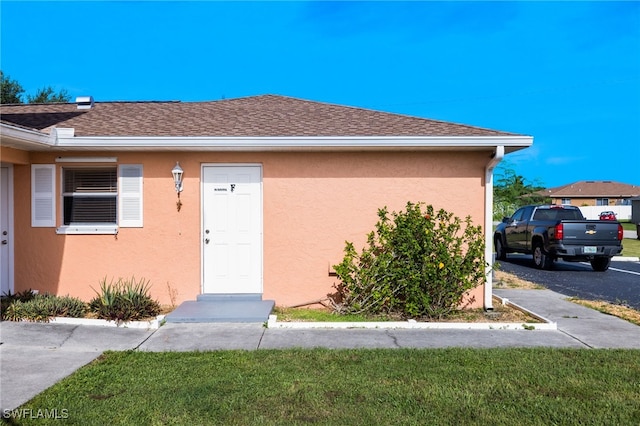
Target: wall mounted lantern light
[(177, 173)]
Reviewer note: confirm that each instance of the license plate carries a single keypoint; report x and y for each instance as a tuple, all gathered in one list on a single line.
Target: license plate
[(591, 249)]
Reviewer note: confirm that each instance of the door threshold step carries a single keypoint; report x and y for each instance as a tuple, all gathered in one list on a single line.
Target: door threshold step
[(228, 297)]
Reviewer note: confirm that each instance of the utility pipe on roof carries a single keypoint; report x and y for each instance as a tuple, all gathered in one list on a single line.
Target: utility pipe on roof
[(488, 225)]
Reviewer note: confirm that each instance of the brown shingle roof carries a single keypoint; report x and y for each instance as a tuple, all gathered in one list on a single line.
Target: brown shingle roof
[(256, 116), (594, 188)]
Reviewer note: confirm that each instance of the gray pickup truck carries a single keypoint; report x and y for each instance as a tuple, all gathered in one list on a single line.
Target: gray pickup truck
[(552, 232)]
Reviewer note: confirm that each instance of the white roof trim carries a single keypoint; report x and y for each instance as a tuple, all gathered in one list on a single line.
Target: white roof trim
[(288, 143), (21, 138)]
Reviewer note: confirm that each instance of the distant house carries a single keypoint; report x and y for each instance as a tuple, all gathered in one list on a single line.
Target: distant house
[(272, 187), (593, 193)]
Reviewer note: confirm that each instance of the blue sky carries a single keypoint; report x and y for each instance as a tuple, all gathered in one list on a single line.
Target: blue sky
[(566, 73)]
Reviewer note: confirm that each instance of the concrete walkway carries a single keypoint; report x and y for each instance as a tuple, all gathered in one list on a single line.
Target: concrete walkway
[(35, 356), (630, 234)]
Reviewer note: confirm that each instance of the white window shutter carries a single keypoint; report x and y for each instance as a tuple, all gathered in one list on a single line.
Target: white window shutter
[(130, 195), (43, 195)]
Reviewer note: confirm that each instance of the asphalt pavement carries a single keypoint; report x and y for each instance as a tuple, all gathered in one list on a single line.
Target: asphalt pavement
[(34, 356)]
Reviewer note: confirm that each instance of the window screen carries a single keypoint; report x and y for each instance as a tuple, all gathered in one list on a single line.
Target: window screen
[(90, 195)]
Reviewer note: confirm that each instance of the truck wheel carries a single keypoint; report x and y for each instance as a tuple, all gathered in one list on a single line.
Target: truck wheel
[(600, 264), (501, 253), (541, 259)]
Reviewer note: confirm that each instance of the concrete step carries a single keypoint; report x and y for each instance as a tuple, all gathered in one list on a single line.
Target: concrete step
[(230, 311)]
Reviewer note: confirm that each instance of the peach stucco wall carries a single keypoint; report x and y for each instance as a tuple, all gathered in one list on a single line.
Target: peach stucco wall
[(312, 203), (13, 156)]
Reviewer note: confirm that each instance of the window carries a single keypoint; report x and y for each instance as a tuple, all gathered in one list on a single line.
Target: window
[(96, 199), (602, 201), (566, 201), (90, 195), (517, 216)]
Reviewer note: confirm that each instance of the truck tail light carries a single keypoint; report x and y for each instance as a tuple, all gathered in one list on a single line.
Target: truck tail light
[(559, 231), (620, 232)]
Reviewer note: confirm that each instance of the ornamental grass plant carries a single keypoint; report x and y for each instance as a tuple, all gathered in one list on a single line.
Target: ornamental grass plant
[(124, 300), (30, 306)]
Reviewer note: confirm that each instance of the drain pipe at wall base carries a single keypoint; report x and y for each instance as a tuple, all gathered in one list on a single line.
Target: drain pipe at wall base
[(488, 226)]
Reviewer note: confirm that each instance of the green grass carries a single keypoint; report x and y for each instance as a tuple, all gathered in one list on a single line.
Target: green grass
[(321, 315), (628, 226), (352, 387), (465, 315), (631, 247)]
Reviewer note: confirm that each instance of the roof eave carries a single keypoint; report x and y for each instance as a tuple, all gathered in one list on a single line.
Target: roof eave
[(66, 141), (598, 195), (24, 139)]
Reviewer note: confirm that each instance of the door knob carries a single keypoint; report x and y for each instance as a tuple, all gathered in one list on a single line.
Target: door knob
[(5, 242), (206, 241)]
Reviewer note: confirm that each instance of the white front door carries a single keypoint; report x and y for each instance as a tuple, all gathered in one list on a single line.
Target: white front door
[(6, 263), (232, 229)]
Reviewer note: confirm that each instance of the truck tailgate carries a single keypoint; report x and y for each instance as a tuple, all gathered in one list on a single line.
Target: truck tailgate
[(593, 232)]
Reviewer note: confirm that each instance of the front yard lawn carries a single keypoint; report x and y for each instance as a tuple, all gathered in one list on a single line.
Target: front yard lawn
[(538, 386), (631, 247)]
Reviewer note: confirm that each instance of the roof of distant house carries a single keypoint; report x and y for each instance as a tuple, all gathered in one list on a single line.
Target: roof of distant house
[(593, 189), (255, 116)]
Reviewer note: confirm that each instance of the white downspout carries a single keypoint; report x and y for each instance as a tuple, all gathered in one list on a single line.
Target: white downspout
[(488, 225)]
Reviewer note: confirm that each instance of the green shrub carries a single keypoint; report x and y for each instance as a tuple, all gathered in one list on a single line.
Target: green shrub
[(13, 311), (125, 300), (41, 307), (417, 264), (8, 298), (64, 306), (32, 310)]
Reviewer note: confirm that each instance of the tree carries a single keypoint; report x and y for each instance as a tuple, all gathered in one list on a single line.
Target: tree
[(12, 93), (512, 191), (10, 90), (46, 95)]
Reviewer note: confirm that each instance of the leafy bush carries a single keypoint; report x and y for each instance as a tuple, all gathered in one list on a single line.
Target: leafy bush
[(417, 264), (40, 307), (7, 299), (65, 306), (13, 311), (125, 300)]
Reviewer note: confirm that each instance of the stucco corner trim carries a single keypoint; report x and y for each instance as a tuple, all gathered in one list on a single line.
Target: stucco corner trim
[(488, 228)]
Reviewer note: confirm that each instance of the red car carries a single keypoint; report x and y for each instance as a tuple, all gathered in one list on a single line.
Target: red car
[(608, 215)]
